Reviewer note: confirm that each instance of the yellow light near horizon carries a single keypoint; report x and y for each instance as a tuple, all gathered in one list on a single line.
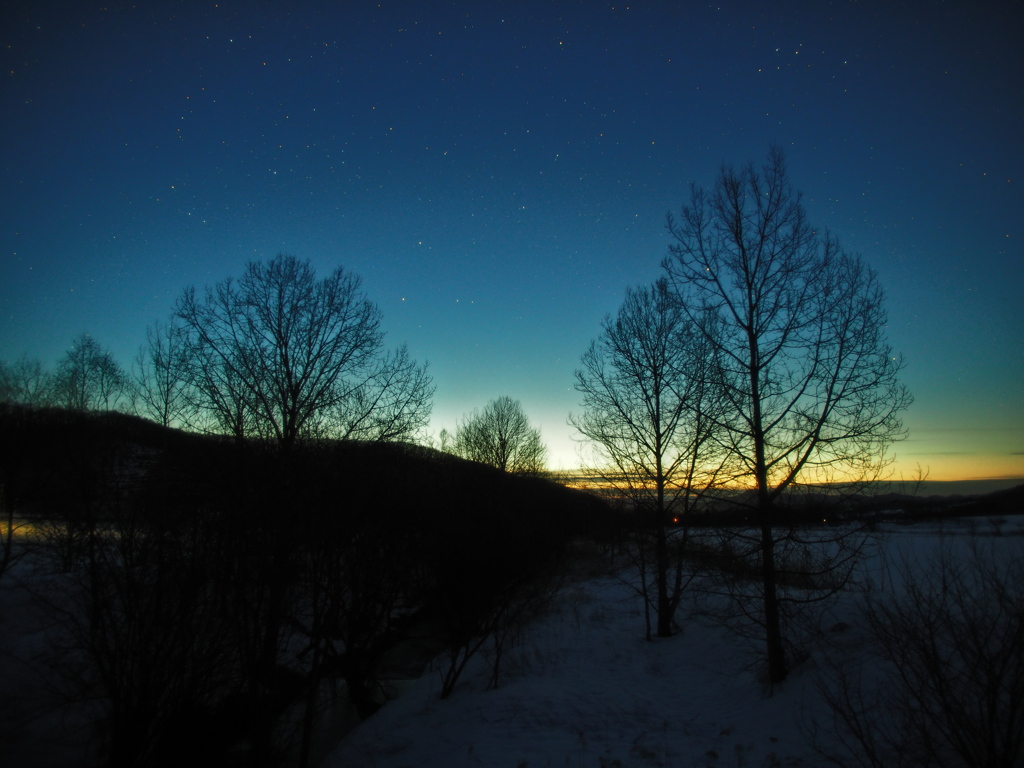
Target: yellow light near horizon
[(932, 467), (960, 466)]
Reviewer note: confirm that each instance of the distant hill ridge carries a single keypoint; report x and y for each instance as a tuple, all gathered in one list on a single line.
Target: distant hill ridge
[(42, 449)]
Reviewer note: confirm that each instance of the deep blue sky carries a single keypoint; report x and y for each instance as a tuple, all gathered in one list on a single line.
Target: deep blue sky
[(498, 173)]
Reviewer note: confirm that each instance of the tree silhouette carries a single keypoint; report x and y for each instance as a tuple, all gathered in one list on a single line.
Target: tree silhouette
[(275, 353), (502, 437), (648, 411), (797, 330), (88, 378), (160, 388), (26, 382)]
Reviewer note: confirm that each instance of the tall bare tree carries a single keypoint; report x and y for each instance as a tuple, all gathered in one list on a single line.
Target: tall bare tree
[(159, 375), (275, 352), (797, 327), (88, 377), (649, 413), (501, 436)]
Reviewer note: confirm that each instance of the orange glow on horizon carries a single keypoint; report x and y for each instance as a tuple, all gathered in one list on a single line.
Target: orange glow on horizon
[(995, 469), (957, 467)]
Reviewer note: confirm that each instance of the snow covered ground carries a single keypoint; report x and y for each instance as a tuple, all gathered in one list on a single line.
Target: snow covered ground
[(585, 689), (582, 688)]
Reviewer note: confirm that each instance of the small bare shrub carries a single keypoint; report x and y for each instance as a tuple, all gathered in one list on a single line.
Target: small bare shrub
[(948, 689)]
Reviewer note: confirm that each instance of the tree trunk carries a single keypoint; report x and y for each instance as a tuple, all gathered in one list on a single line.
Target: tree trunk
[(664, 604), (773, 629), (661, 542)]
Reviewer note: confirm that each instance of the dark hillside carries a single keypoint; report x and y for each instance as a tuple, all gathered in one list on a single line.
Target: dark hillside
[(47, 453), (211, 590), (1009, 501)]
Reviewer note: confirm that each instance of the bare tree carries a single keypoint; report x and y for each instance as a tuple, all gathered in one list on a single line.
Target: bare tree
[(88, 378), (275, 352), (218, 396), (649, 414), (444, 441), (143, 637), (159, 376), (26, 382), (491, 618), (502, 437), (797, 327)]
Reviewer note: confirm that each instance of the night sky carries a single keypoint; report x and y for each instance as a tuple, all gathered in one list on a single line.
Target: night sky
[(498, 173)]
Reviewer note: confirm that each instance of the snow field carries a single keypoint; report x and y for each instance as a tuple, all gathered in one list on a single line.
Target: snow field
[(583, 688)]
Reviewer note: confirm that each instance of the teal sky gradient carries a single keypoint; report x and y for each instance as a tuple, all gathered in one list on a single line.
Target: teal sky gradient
[(498, 173)]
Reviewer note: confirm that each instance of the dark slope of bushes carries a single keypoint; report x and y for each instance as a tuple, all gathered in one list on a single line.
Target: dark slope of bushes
[(210, 587), (51, 453)]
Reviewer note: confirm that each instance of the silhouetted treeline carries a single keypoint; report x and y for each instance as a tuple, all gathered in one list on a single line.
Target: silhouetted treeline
[(205, 588)]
